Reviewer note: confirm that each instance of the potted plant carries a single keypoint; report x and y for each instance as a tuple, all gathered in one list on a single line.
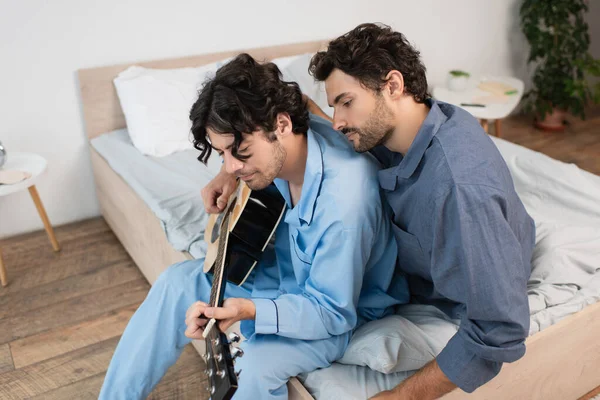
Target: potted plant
[(457, 80), (558, 35)]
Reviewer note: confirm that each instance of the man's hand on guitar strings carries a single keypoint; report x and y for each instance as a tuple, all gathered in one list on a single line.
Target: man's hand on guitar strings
[(195, 320), (232, 311)]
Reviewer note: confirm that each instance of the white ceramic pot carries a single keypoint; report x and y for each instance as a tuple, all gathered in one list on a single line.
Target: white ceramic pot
[(457, 83), (2, 155)]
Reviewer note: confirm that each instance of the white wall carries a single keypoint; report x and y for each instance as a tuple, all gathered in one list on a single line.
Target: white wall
[(43, 43)]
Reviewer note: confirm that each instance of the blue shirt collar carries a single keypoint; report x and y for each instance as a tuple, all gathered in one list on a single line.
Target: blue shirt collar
[(313, 176), (408, 164)]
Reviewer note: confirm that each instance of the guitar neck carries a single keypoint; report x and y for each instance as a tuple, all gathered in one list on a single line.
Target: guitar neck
[(217, 290)]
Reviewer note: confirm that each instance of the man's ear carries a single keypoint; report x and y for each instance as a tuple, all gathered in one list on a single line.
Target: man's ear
[(394, 85), (283, 124)]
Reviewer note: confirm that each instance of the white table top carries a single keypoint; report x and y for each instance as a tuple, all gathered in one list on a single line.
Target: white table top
[(28, 162), (490, 111)]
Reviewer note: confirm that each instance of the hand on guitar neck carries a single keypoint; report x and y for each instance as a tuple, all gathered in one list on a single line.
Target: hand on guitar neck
[(232, 311), (195, 321)]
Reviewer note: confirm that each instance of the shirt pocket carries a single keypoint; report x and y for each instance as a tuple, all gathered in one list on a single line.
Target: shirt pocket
[(411, 257), (299, 249), (302, 262)]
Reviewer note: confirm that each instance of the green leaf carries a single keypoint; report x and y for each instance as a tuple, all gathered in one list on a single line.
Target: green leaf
[(457, 73)]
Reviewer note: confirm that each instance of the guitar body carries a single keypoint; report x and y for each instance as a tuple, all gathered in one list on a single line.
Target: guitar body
[(254, 216)]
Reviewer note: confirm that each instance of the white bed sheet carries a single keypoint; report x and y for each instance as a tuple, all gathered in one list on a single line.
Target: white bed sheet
[(170, 186), (564, 202)]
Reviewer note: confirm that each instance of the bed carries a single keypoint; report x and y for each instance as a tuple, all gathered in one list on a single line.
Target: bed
[(563, 358)]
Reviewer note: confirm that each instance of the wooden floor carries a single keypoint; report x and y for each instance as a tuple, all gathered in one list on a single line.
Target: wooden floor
[(578, 144), (63, 313)]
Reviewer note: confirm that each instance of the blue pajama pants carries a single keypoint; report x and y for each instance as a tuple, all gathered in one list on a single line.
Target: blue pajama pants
[(154, 339)]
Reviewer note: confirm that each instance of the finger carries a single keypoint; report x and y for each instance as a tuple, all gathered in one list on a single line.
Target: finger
[(196, 327), (208, 194), (212, 208), (221, 312), (222, 202), (192, 329), (188, 320), (200, 322), (192, 311), (191, 320), (210, 201), (194, 334), (195, 310)]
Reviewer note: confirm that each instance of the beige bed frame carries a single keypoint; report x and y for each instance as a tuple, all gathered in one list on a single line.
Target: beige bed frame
[(562, 362)]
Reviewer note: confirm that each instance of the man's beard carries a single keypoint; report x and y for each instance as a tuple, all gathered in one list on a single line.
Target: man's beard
[(261, 180), (376, 131)]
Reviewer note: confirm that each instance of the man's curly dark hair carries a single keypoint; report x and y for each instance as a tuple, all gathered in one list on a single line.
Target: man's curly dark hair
[(368, 53), (243, 97)]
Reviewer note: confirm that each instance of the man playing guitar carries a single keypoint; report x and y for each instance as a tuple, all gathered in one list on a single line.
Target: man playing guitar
[(328, 272)]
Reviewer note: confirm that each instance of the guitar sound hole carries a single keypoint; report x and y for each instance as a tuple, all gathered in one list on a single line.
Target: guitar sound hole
[(217, 228)]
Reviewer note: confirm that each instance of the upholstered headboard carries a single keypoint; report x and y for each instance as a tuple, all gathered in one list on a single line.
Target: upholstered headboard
[(101, 109)]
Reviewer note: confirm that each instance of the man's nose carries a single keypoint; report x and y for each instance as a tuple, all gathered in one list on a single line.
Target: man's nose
[(232, 164), (338, 123)]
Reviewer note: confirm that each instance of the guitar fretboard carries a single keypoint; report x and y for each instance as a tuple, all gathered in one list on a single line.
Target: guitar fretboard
[(219, 263)]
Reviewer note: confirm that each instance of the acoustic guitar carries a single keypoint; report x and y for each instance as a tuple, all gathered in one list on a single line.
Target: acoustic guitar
[(236, 240)]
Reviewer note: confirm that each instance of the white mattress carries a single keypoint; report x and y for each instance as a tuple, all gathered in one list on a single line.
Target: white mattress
[(170, 186)]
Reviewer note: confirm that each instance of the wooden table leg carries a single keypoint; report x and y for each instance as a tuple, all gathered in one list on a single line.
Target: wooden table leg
[(497, 130), (484, 124), (3, 277), (40, 207)]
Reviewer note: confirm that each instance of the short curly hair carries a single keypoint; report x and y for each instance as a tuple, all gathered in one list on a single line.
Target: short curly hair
[(368, 53), (243, 97)]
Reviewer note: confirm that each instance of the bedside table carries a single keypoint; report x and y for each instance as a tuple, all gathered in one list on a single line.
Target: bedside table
[(496, 111), (35, 165)]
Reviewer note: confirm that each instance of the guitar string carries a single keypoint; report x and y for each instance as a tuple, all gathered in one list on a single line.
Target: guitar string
[(216, 277), (219, 261)]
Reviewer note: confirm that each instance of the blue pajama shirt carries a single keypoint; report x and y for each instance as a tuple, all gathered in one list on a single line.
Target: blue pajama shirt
[(331, 269)]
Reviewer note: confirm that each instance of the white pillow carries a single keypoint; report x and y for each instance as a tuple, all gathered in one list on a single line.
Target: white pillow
[(402, 342), (295, 68), (156, 104)]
